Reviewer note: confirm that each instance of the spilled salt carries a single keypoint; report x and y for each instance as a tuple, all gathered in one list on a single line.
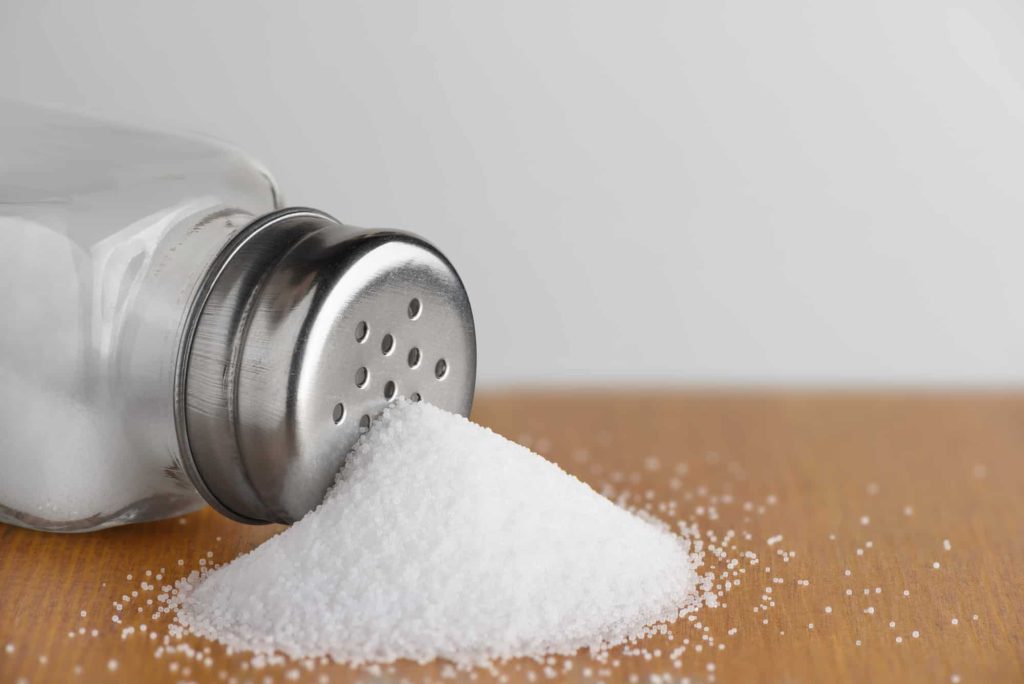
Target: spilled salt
[(442, 539)]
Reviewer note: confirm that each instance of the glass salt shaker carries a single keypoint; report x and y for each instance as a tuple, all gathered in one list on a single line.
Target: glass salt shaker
[(175, 336)]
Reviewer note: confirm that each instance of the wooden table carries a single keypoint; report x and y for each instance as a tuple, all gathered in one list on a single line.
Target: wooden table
[(829, 472)]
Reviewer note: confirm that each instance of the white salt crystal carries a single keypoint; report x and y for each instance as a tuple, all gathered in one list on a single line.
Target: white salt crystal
[(442, 539)]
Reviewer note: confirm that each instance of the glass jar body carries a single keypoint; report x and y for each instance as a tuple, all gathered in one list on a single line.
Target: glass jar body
[(106, 235)]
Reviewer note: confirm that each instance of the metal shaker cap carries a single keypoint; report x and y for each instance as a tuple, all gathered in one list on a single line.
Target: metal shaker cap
[(304, 331)]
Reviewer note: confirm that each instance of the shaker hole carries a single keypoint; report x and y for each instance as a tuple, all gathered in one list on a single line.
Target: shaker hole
[(387, 345), (362, 377), (415, 307), (441, 369), (415, 396), (364, 422), (414, 357), (362, 332), (339, 412), (389, 390)]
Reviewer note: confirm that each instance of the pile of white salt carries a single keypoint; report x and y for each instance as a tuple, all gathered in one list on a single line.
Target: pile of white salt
[(441, 539)]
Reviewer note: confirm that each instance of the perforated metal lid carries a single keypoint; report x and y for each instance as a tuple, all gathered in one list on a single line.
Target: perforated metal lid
[(305, 330)]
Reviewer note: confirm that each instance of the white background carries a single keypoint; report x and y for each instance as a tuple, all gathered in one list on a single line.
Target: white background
[(652, 192)]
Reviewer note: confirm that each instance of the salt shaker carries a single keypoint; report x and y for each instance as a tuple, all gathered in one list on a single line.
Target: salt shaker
[(175, 336)]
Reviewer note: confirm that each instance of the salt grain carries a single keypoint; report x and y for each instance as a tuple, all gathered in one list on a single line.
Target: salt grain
[(442, 539)]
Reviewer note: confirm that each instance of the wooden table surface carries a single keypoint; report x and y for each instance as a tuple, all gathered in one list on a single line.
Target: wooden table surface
[(891, 474)]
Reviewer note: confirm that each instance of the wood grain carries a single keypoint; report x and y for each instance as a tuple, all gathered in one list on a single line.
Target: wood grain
[(826, 459)]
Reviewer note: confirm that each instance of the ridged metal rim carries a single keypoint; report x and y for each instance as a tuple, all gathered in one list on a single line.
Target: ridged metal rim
[(185, 348)]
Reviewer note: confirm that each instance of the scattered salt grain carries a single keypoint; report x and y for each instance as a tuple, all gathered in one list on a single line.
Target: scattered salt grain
[(936, 565), (946, 545), (441, 539), (9, 648)]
